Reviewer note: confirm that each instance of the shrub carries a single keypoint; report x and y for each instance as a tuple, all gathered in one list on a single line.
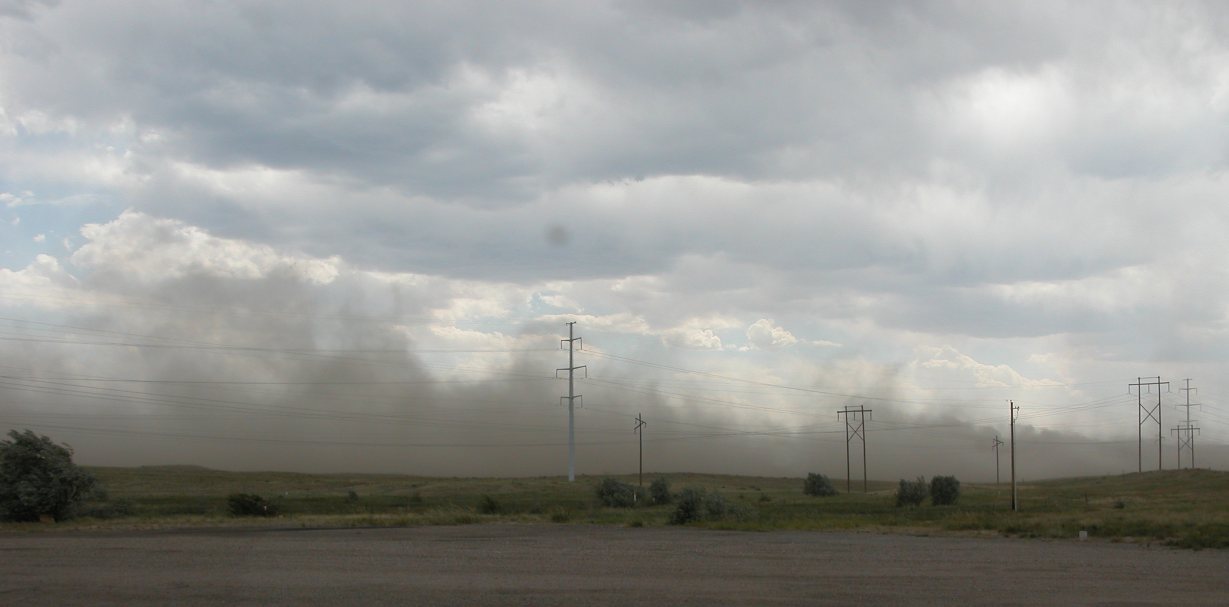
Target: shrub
[(249, 504), (698, 505), (690, 507), (659, 491), (616, 494), (108, 510), (488, 505), (818, 485), (911, 493), (39, 478), (944, 490), (352, 496)]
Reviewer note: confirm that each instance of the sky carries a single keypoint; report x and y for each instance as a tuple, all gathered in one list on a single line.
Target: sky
[(347, 237)]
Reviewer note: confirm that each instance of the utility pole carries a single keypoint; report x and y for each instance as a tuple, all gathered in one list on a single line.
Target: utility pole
[(1152, 413), (1015, 412), (852, 431), (997, 442), (640, 423), (571, 398), (1178, 430), (1190, 430)]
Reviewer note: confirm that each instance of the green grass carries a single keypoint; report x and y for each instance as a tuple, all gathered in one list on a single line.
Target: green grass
[(1183, 508)]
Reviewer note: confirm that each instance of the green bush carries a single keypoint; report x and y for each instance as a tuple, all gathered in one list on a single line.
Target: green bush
[(944, 490), (616, 494), (488, 505), (699, 505), (249, 504), (659, 491), (911, 493), (38, 478), (818, 485), (108, 510)]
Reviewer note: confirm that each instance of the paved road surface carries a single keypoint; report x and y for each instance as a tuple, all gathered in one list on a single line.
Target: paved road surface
[(575, 565)]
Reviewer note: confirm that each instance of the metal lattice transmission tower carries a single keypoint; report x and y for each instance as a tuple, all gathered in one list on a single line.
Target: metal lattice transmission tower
[(997, 442), (1187, 442), (1151, 412), (571, 397), (855, 427)]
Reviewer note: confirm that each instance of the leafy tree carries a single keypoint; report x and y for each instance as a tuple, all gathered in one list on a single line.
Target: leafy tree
[(659, 491), (818, 485), (38, 477), (944, 490), (911, 493)]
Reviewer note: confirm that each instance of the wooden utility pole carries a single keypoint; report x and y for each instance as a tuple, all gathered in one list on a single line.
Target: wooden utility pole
[(640, 423), (1015, 500), (853, 431)]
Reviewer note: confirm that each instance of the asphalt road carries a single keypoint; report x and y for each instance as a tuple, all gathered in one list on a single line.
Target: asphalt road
[(572, 565)]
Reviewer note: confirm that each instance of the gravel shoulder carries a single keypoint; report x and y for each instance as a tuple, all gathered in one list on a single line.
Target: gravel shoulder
[(508, 564)]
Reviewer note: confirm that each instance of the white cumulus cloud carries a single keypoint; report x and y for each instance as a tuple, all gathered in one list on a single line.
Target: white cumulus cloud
[(764, 334)]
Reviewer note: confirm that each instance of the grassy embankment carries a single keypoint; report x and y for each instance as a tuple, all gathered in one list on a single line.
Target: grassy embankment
[(1185, 508)]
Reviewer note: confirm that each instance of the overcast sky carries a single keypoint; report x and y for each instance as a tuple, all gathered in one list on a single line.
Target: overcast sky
[(347, 236)]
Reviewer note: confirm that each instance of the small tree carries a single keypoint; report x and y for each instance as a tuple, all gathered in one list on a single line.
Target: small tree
[(911, 493), (944, 490), (616, 494), (659, 491), (38, 477), (818, 485)]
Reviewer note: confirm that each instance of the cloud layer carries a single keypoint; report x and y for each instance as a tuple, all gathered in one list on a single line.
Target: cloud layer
[(930, 209)]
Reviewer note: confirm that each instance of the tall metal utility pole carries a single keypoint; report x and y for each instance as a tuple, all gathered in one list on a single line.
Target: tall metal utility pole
[(1015, 412), (997, 442), (1152, 413), (571, 398), (851, 431), (640, 423), (1189, 442)]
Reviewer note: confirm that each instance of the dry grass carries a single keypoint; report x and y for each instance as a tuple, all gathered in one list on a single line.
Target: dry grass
[(1185, 508)]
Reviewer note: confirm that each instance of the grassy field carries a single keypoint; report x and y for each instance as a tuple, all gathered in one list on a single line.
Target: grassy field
[(1188, 508)]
